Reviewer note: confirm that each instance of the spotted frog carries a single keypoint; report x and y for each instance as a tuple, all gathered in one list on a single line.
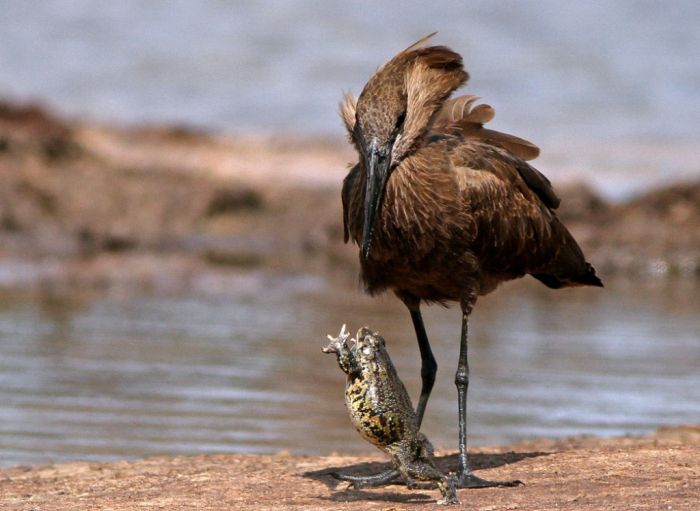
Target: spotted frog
[(382, 412)]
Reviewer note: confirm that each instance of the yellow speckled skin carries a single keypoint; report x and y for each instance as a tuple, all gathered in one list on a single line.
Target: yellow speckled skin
[(379, 405), (381, 409)]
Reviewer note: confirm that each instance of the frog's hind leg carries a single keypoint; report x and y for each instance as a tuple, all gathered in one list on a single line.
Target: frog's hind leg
[(421, 470), (381, 479)]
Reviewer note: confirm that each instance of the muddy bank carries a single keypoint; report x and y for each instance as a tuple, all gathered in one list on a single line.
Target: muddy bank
[(658, 472), (87, 205), (654, 234), (90, 205)]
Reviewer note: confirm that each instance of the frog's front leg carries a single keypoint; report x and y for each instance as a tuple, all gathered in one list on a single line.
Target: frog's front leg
[(339, 346)]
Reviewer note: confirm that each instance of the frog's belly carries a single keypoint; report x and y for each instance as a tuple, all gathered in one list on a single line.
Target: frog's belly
[(377, 424)]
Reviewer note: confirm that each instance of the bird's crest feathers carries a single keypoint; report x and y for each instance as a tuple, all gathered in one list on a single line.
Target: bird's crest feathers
[(414, 82), (435, 73), (347, 113), (419, 43), (427, 75)]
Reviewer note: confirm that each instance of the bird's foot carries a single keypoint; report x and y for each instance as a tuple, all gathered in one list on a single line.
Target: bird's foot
[(358, 482), (469, 480)]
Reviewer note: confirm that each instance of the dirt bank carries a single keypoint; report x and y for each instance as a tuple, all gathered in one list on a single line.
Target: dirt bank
[(89, 205), (93, 206), (659, 472)]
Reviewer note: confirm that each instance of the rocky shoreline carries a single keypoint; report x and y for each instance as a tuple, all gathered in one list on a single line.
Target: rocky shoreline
[(94, 206)]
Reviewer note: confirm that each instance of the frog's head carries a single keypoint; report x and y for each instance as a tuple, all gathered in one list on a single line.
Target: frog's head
[(369, 345)]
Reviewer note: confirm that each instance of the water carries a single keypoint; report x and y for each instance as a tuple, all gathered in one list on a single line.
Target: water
[(608, 89), (102, 378)]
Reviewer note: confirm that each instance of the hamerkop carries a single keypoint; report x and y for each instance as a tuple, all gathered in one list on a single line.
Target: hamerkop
[(444, 209)]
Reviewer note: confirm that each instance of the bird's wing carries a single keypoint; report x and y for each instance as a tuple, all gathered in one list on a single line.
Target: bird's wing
[(513, 222), (345, 196), (459, 116), (538, 183), (515, 228), (473, 158)]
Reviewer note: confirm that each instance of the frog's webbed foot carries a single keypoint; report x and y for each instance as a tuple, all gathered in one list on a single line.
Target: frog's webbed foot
[(430, 477), (448, 490), (469, 480), (381, 479)]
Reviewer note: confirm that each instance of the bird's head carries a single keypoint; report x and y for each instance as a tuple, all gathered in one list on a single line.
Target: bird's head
[(394, 112)]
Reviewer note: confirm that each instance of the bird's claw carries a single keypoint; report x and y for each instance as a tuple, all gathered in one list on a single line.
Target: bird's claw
[(469, 480)]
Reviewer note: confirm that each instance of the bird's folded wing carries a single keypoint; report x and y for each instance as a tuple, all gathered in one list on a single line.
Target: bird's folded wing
[(459, 115), (474, 155)]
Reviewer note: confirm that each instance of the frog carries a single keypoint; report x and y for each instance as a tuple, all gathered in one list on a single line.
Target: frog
[(382, 412)]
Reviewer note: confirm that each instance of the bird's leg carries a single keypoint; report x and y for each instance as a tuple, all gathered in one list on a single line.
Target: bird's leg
[(428, 368), (465, 476)]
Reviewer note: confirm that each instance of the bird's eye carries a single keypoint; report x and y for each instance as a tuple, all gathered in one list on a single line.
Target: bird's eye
[(401, 119), (357, 129)]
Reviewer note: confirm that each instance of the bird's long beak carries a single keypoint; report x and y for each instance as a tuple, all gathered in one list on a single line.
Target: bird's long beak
[(377, 174)]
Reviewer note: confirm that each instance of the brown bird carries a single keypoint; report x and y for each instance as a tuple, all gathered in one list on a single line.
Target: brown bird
[(444, 209)]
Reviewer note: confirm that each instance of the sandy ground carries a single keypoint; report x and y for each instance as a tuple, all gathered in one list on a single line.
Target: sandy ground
[(659, 472)]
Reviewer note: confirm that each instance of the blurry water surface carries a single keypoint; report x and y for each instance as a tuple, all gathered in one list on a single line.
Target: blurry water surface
[(607, 86), (608, 89), (108, 378)]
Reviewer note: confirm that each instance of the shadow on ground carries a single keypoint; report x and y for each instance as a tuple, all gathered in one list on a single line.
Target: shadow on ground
[(479, 461)]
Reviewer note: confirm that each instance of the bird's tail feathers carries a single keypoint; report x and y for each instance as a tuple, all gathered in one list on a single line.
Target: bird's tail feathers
[(569, 268)]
